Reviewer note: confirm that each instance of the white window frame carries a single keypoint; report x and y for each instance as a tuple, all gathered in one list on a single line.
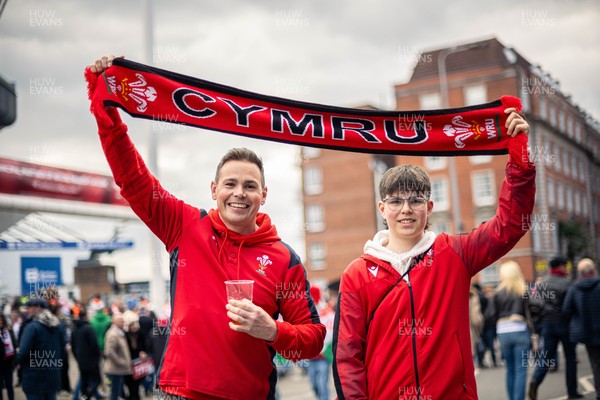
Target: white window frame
[(560, 197), (475, 94), (550, 192), (478, 160), (440, 193), (311, 152), (315, 218), (317, 256), (435, 163), (313, 180), (430, 101), (543, 107), (479, 178)]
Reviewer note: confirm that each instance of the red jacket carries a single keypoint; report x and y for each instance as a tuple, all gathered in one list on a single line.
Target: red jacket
[(203, 356), (411, 340)]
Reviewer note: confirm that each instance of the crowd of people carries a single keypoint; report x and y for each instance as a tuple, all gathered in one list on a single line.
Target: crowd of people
[(116, 348)]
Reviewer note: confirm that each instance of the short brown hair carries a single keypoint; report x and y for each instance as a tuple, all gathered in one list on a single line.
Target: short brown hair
[(405, 179), (242, 154)]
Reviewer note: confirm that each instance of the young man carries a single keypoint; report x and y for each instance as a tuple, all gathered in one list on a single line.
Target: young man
[(402, 327), (218, 349)]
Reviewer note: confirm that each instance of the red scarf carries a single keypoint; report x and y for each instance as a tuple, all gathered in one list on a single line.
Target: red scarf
[(151, 93)]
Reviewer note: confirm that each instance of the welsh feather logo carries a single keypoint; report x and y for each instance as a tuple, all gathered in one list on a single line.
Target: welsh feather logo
[(263, 263), (139, 91), (462, 130)]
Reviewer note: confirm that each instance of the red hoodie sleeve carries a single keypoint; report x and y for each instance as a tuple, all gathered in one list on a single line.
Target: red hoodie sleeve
[(349, 340), (301, 335), (496, 237), (155, 206)]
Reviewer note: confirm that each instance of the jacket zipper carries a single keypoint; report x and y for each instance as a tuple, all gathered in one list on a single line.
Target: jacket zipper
[(414, 337)]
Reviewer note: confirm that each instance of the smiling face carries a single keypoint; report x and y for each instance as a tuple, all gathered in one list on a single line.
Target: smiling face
[(239, 194), (406, 224)]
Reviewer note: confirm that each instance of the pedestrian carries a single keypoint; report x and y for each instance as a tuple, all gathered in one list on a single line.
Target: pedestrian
[(476, 321), (319, 368), (402, 323), (509, 304), (489, 327), (87, 354), (550, 293), (136, 341), (582, 308), (40, 354), (217, 347), (118, 359), (100, 322), (8, 355)]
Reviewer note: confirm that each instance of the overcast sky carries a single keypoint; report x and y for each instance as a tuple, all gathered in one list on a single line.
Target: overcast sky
[(344, 53)]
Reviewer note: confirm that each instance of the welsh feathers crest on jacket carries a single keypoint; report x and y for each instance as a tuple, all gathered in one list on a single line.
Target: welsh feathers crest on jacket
[(263, 263)]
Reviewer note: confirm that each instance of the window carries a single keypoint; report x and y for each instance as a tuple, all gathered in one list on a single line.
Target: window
[(525, 100), (430, 101), (313, 180), (566, 169), (483, 188), (476, 94), (574, 172), (550, 194), (317, 254), (561, 121), (557, 164), (543, 111), (439, 194), (435, 163), (315, 221), (440, 227), (560, 200), (476, 160), (578, 132), (311, 152), (569, 126), (489, 275), (581, 171), (584, 206), (569, 195), (552, 114), (577, 202)]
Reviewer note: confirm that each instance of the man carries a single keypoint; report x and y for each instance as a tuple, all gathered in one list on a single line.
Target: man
[(402, 324), (582, 308), (216, 348), (118, 359), (87, 353), (550, 293), (41, 352)]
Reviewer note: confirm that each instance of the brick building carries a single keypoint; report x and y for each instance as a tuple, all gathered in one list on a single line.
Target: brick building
[(339, 188)]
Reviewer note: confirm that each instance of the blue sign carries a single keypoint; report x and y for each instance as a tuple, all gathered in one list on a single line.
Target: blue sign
[(39, 274)]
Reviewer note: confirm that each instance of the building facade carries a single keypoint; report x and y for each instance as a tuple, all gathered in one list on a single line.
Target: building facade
[(564, 142)]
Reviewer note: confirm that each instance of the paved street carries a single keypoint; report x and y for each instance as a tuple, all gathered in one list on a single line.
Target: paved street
[(490, 383)]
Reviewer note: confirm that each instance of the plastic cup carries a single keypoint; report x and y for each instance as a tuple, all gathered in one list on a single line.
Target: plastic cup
[(239, 289)]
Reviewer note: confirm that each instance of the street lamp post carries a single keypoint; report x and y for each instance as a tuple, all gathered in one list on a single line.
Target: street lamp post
[(157, 286), (443, 82)]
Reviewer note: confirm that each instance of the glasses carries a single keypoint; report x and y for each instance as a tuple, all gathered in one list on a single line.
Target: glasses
[(416, 203)]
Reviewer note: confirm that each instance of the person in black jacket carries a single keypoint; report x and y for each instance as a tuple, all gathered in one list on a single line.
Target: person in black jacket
[(551, 292), (137, 347), (582, 308), (87, 353), (40, 354)]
